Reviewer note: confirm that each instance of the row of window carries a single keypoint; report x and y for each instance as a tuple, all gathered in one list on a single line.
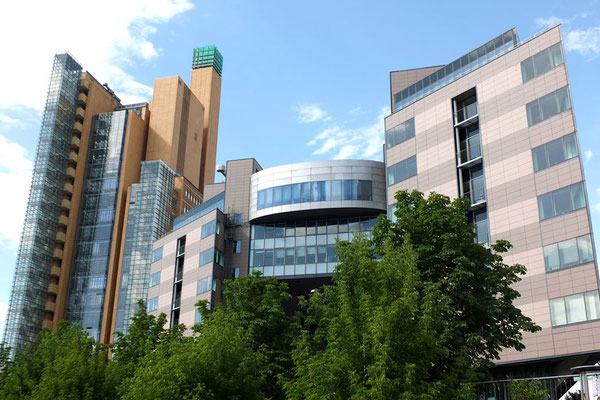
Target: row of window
[(568, 253), (579, 307), (401, 171), (542, 62), (349, 189), (313, 227), (561, 201), (554, 152), (548, 106), (294, 255), (297, 269), (400, 133)]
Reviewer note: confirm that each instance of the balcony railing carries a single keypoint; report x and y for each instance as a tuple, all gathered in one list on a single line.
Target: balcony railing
[(470, 149), (466, 113), (475, 190)]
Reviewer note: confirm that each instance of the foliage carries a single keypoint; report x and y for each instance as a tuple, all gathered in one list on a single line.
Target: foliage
[(527, 390), (64, 364), (420, 322)]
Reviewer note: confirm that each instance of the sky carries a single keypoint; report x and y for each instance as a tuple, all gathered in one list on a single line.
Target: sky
[(301, 80)]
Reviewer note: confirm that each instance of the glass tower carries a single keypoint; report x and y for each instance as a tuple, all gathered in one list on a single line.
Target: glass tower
[(94, 233), (37, 246)]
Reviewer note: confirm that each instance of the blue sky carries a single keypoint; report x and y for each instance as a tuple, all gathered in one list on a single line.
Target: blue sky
[(301, 80)]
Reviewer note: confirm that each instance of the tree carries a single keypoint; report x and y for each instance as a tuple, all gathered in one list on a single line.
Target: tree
[(63, 364), (240, 351), (527, 390), (413, 313)]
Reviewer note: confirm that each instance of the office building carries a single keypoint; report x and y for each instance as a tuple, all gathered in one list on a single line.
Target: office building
[(497, 126), (281, 221), (108, 180)]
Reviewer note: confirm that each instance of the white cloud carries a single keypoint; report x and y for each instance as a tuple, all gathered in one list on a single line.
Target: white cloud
[(15, 173), (310, 113), (597, 207), (108, 38), (549, 22), (7, 120), (361, 142), (584, 41), (588, 155), (598, 191), (3, 312)]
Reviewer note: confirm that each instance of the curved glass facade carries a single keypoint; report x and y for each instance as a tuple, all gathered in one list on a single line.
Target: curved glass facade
[(305, 247), (306, 192)]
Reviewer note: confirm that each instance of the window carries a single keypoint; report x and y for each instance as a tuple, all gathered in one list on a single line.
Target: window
[(219, 258), (403, 170), (209, 228), (542, 62), (561, 201), (235, 273), (548, 106), (350, 189), (198, 317), (206, 256), (554, 152), (157, 254), (575, 308), (237, 247), (568, 253), (204, 285), (155, 279), (152, 304), (237, 218), (400, 133)]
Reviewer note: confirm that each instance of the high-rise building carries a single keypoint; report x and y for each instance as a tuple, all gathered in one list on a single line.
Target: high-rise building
[(108, 180), (497, 126)]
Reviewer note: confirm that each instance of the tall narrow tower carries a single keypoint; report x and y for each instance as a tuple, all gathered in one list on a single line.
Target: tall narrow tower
[(207, 67)]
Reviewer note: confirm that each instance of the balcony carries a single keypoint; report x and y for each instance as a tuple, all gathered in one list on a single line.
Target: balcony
[(84, 86), (475, 191), (75, 142), (68, 188), (73, 157), (467, 115), (179, 275), (63, 220), (79, 114), (50, 306), (57, 254), (470, 152), (81, 99), (52, 288), (65, 204), (60, 237), (71, 172), (77, 127), (55, 271)]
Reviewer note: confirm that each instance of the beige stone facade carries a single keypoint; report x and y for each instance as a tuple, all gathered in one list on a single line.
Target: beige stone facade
[(511, 185)]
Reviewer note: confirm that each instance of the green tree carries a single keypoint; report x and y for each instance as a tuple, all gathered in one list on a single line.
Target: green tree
[(413, 313), (240, 351), (63, 364), (527, 390)]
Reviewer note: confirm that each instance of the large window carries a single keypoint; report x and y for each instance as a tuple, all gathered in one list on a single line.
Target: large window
[(206, 256), (575, 308), (542, 62), (204, 285), (548, 106), (157, 254), (209, 228), (561, 201), (155, 279), (568, 253), (350, 189), (219, 258), (152, 304), (303, 247), (554, 152), (400, 133), (403, 170)]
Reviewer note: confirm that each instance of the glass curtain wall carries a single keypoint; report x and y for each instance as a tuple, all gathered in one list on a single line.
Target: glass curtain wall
[(148, 220), (99, 197), (32, 272)]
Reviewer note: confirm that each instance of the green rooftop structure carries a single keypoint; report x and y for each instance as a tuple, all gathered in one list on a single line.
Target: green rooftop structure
[(208, 56)]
